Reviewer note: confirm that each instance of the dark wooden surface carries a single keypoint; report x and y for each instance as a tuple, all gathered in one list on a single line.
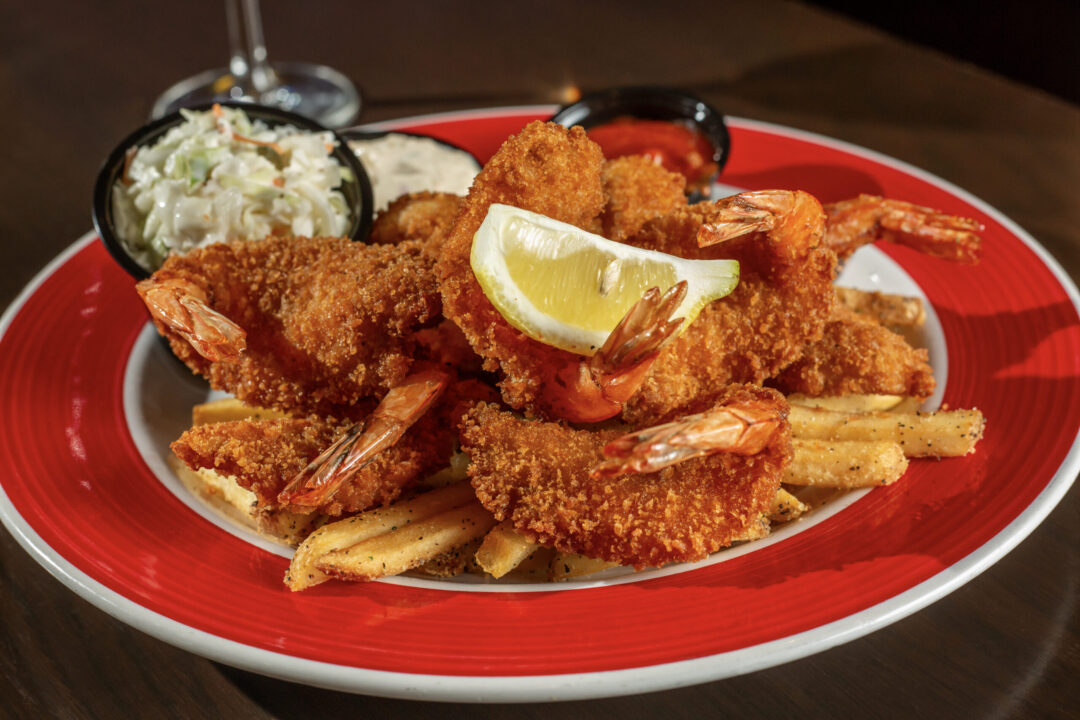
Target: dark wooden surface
[(75, 77)]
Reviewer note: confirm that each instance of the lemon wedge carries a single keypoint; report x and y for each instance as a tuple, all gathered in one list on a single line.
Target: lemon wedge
[(569, 288)]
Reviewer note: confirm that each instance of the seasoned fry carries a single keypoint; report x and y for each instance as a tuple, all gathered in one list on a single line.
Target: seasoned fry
[(565, 566), (452, 473), (848, 403), (303, 572), (228, 409), (786, 507), (408, 547), (907, 405), (944, 433), (845, 463), (535, 568), (454, 562), (816, 496), (240, 504), (503, 549), (893, 310)]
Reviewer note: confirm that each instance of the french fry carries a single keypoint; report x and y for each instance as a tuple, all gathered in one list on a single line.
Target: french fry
[(845, 463), (848, 403), (535, 568), (303, 571), (407, 547), (944, 433), (785, 507), (565, 566), (895, 310), (815, 496), (452, 473), (240, 504), (453, 562), (907, 405), (756, 531), (503, 549), (228, 409)]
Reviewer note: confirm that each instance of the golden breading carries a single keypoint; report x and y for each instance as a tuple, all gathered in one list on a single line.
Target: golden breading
[(857, 355), (545, 169), (328, 322), (537, 475), (265, 455), (417, 216), (782, 302), (638, 190)]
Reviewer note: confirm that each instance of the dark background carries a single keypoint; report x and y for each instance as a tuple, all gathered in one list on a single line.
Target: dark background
[(1036, 42)]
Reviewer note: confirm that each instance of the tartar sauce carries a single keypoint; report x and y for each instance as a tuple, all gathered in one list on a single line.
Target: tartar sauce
[(220, 176), (398, 164)]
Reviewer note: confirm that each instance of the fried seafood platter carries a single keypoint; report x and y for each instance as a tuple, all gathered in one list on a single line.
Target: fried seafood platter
[(393, 413)]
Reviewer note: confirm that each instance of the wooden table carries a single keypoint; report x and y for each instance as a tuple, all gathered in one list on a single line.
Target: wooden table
[(75, 77)]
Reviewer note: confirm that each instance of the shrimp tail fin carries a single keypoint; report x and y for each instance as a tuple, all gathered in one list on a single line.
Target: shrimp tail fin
[(743, 428), (182, 307), (403, 405), (869, 218), (597, 387)]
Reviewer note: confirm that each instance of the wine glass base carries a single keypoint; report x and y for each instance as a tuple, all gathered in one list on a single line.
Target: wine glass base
[(315, 91)]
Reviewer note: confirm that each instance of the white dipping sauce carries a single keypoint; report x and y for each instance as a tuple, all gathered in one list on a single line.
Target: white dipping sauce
[(398, 164)]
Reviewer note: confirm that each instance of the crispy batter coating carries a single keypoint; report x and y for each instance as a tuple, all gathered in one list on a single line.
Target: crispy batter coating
[(859, 355), (265, 455), (546, 169), (637, 191), (416, 216), (329, 322), (537, 474), (782, 302)]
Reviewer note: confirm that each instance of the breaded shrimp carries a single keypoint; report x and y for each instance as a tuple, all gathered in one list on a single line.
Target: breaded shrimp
[(265, 456), (869, 218), (537, 474), (782, 302), (637, 191), (545, 169), (303, 325), (857, 354), (416, 216)]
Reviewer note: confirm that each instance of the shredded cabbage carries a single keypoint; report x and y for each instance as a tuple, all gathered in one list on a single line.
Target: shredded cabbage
[(206, 182)]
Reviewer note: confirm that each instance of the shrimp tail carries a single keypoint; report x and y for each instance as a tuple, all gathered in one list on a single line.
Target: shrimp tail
[(182, 307), (869, 218), (792, 221), (743, 428), (362, 443), (597, 388)]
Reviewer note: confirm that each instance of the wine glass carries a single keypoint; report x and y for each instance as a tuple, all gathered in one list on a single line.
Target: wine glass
[(315, 91)]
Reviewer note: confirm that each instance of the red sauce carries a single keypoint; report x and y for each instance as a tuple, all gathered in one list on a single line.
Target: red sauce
[(677, 147)]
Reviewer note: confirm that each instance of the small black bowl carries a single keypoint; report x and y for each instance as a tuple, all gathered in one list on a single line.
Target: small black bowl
[(650, 103), (358, 133), (357, 191)]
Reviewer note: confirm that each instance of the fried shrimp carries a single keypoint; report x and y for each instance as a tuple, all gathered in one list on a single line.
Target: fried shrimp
[(869, 218), (303, 325), (545, 169), (857, 355), (417, 216), (266, 456), (537, 474), (782, 302), (637, 191)]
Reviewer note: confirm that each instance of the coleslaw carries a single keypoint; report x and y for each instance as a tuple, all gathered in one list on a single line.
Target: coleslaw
[(220, 176)]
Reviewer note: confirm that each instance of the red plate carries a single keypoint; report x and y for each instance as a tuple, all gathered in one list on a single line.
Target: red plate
[(78, 495)]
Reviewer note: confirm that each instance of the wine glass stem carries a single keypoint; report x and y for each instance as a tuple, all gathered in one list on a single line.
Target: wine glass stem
[(248, 62)]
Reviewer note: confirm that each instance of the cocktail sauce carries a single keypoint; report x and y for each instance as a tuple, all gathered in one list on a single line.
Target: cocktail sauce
[(677, 147)]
